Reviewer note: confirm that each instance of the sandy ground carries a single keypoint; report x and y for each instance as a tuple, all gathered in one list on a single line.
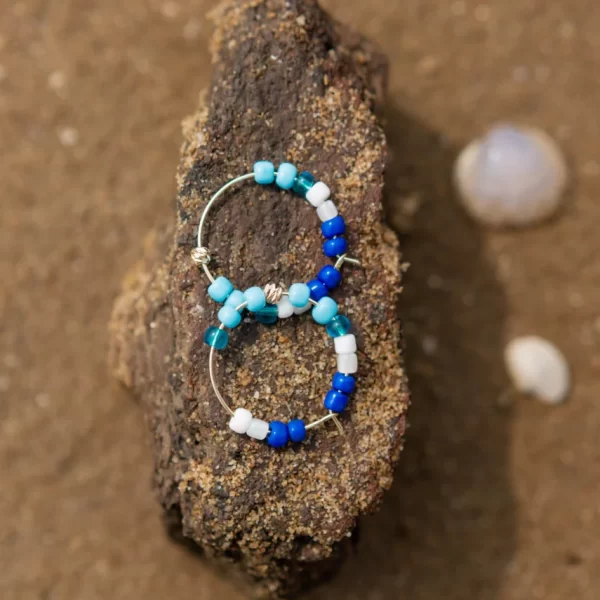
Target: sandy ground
[(490, 502)]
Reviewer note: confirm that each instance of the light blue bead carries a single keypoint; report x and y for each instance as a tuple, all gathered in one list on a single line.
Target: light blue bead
[(218, 338), (299, 293), (220, 289), (264, 172), (235, 299), (230, 317), (286, 175), (325, 310), (256, 298), (338, 326)]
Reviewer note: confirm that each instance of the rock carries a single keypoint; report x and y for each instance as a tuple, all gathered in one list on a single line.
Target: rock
[(287, 84)]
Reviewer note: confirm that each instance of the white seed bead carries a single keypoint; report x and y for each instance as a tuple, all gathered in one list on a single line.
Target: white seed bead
[(327, 211), (299, 311), (240, 422), (284, 308), (258, 429), (318, 193), (347, 363), (345, 344)]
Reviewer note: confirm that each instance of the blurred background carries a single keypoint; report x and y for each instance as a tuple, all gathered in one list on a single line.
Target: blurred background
[(493, 499)]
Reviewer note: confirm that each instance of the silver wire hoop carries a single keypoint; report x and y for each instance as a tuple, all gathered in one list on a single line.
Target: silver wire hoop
[(329, 416), (201, 255)]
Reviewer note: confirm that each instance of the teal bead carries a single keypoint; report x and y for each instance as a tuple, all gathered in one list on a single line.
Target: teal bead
[(220, 289), (338, 326), (298, 294), (256, 298), (235, 299), (229, 317), (217, 338), (325, 310), (267, 315), (264, 172), (303, 183), (286, 175)]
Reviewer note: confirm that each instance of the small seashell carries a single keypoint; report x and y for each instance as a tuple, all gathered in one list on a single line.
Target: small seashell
[(512, 176), (538, 367)]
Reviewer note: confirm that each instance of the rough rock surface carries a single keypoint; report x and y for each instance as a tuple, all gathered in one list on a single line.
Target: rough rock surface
[(287, 84)]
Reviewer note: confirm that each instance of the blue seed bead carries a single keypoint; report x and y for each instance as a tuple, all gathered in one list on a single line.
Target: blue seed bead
[(343, 383), (299, 293), (330, 277), (278, 434), (325, 310), (267, 315), (317, 289), (264, 172), (217, 338), (303, 183), (333, 227), (286, 174), (338, 326), (235, 299), (335, 247), (229, 317), (297, 430), (256, 299), (335, 401), (220, 289)]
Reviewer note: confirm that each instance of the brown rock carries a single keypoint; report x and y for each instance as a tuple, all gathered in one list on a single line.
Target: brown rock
[(287, 84)]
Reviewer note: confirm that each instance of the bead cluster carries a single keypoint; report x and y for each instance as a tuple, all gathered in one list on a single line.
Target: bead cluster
[(316, 193), (277, 433), (296, 301)]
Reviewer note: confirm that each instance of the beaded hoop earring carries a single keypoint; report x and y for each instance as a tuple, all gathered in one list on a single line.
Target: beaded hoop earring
[(277, 433), (270, 303)]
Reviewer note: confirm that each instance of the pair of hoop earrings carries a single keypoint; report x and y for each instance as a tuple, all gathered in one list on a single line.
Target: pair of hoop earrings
[(272, 302)]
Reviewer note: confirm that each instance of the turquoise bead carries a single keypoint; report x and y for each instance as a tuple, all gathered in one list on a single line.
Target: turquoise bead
[(286, 175), (235, 299), (256, 298), (338, 326), (303, 183), (220, 289), (230, 317), (264, 172), (299, 293), (217, 338), (325, 310), (267, 315)]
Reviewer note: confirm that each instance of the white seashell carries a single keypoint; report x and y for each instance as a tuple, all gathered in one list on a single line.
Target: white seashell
[(538, 367), (512, 176)]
